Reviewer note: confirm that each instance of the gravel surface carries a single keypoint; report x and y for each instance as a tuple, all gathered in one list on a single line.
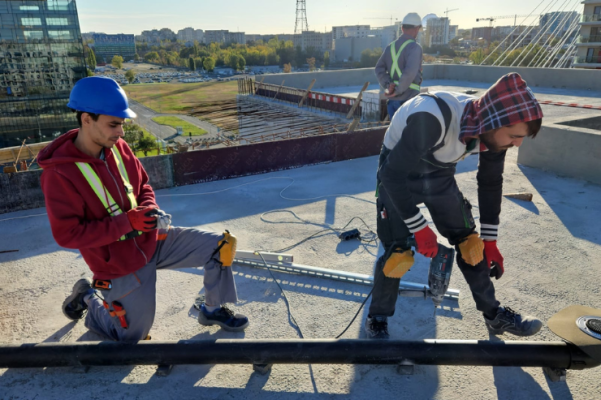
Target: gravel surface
[(551, 247)]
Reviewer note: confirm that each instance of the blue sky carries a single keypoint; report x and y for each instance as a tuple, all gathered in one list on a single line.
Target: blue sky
[(278, 16)]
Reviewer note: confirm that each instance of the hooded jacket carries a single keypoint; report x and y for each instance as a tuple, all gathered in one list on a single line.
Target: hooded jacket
[(419, 126), (77, 217)]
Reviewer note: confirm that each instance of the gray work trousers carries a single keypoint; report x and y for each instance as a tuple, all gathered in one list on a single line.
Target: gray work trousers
[(452, 215), (181, 248)]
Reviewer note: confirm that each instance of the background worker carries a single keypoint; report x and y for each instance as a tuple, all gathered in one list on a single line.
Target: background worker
[(426, 138), (399, 69), (99, 201)]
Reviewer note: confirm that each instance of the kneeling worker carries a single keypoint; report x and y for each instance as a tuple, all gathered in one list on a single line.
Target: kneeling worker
[(427, 136), (99, 202)]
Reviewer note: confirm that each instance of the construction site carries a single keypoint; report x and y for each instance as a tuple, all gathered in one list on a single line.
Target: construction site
[(292, 167)]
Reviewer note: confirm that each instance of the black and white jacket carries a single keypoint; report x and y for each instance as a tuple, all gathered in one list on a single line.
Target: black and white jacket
[(415, 135)]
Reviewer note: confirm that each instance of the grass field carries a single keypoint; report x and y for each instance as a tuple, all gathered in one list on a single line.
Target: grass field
[(176, 98), (174, 122)]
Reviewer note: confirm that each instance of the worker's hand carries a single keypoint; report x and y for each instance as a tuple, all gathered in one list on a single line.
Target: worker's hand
[(427, 243), (143, 218), (390, 90), (472, 249), (494, 259)]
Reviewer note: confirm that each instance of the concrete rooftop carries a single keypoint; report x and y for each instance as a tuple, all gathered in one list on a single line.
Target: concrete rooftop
[(551, 247)]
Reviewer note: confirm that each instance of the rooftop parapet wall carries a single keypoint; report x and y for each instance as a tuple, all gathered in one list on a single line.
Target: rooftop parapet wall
[(569, 78), (22, 191), (567, 151)]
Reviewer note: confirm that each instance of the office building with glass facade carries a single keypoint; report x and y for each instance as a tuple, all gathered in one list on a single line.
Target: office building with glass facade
[(41, 58), (108, 46)]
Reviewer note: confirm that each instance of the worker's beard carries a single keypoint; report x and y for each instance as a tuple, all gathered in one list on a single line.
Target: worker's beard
[(489, 140)]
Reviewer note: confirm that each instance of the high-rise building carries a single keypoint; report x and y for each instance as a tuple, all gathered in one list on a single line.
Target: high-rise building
[(387, 34), (189, 35), (156, 36), (588, 52), (108, 46), (437, 32), (338, 32), (482, 33), (557, 23), (316, 40), (41, 58), (224, 36), (453, 31)]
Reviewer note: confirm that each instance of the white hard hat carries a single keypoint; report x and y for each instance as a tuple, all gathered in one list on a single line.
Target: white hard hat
[(412, 19)]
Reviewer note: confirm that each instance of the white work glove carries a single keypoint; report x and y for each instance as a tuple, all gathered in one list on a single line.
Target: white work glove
[(163, 220)]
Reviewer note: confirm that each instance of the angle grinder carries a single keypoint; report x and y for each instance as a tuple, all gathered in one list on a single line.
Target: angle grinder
[(439, 275)]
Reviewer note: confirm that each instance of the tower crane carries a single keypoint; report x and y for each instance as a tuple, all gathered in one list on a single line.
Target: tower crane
[(391, 18), (492, 19)]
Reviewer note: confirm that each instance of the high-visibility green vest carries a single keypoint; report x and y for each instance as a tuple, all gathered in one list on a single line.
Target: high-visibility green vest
[(110, 205), (395, 63)]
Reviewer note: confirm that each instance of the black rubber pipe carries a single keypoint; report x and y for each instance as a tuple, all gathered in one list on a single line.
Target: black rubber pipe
[(314, 351)]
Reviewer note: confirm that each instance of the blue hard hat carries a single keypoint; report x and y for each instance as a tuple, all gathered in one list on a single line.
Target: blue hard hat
[(100, 95)]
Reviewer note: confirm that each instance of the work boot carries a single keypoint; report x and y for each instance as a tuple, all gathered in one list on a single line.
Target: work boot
[(224, 317), (74, 306), (508, 320), (376, 327)]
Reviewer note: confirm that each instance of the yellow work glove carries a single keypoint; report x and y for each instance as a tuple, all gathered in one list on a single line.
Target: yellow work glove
[(398, 263), (472, 249)]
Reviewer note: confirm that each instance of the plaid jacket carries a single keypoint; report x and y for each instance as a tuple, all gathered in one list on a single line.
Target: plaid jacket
[(508, 102)]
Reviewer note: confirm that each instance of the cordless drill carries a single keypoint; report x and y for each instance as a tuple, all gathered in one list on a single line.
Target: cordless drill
[(439, 274)]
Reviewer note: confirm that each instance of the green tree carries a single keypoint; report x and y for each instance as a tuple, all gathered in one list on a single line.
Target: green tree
[(152, 56), (241, 63), (146, 144), (477, 57), (132, 134), (311, 62), (91, 59), (326, 59), (369, 58), (232, 61), (117, 62), (130, 75), (136, 57), (89, 72), (208, 64), (192, 64)]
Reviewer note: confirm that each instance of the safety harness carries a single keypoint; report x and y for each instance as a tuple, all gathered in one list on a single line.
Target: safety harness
[(395, 63), (104, 196)]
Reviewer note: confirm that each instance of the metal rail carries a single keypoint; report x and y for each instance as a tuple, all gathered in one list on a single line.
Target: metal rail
[(337, 275), (297, 351)]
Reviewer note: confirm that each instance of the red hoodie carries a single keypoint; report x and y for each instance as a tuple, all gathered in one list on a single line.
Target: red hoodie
[(77, 217)]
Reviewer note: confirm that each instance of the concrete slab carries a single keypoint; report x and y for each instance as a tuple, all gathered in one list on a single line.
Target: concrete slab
[(550, 246)]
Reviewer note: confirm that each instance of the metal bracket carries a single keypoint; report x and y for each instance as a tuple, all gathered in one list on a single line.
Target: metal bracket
[(164, 369), (555, 374), (405, 367), (262, 369), (332, 274)]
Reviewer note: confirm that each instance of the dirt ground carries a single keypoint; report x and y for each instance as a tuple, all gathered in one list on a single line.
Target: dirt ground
[(551, 248)]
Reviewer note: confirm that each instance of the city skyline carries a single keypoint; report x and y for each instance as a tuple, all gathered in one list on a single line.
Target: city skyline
[(100, 16)]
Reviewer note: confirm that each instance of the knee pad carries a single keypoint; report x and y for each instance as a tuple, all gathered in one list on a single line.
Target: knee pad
[(472, 249), (227, 249), (398, 263)]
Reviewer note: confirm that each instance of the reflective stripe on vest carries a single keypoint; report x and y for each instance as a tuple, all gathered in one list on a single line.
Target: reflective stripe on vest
[(395, 63), (129, 189), (110, 205)]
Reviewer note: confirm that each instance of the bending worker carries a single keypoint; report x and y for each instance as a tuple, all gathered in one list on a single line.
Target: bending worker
[(399, 69), (426, 138), (99, 202)]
